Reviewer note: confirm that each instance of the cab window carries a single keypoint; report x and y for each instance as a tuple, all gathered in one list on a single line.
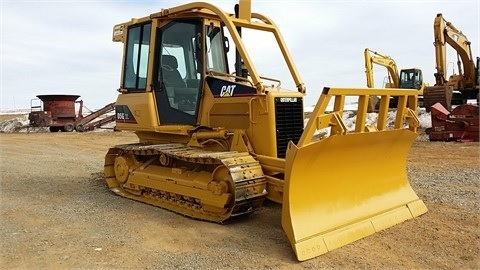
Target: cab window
[(136, 60), (178, 68)]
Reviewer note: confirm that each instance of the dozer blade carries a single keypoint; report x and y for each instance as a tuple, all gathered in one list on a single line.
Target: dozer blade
[(347, 186)]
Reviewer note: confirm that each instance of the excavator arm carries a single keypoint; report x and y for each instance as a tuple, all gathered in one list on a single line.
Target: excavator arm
[(440, 50), (446, 33), (382, 60)]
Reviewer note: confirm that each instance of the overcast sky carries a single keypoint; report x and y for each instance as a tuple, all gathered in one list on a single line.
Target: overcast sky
[(65, 47)]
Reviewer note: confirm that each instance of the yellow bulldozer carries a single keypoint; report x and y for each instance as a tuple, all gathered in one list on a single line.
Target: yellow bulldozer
[(216, 141)]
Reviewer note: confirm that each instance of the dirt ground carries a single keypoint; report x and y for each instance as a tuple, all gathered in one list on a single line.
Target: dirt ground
[(57, 213)]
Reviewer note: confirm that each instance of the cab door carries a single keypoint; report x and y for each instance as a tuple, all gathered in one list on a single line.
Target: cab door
[(178, 71)]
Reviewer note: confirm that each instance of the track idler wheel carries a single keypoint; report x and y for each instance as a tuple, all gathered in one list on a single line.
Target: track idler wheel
[(222, 183), (122, 167)]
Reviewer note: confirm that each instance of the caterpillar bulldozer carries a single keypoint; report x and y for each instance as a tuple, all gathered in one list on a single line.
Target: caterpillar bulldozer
[(216, 141), (459, 87)]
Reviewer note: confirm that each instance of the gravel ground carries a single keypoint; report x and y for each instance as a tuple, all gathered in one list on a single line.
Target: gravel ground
[(57, 213)]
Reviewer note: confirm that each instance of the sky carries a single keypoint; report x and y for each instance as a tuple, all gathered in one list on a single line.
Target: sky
[(65, 47)]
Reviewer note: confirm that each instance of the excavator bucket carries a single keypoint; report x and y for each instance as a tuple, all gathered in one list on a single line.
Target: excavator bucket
[(350, 184)]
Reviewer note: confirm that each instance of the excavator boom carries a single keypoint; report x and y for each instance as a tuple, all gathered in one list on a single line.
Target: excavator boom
[(382, 60)]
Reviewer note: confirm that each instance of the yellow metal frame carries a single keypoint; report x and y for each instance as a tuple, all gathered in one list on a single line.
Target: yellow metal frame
[(325, 205)]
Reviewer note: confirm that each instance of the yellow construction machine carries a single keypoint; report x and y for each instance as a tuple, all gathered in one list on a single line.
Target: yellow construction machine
[(459, 87), (410, 78), (216, 141)]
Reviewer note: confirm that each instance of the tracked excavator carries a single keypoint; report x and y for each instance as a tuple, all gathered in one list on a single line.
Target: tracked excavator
[(459, 87), (410, 78), (216, 141)]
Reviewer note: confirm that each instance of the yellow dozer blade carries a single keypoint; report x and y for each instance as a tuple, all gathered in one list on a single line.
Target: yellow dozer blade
[(353, 183)]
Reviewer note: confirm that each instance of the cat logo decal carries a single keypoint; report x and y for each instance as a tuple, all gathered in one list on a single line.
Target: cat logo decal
[(227, 90)]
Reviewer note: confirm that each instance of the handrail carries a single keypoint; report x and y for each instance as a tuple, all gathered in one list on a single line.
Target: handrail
[(405, 114)]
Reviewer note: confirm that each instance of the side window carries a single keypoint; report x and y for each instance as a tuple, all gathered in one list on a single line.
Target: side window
[(405, 76), (215, 52), (136, 61)]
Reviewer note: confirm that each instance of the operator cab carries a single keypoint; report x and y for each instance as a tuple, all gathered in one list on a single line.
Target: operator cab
[(411, 79), (178, 65)]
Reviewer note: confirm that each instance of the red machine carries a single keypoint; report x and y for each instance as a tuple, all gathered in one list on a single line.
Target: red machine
[(461, 124), (59, 114)]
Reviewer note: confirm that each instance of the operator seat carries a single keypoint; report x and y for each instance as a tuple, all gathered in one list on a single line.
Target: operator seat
[(170, 74)]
